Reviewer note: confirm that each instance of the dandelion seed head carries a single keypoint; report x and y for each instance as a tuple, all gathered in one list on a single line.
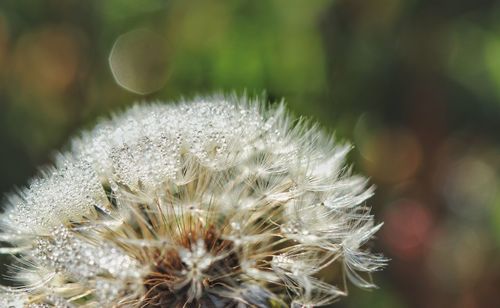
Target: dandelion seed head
[(216, 202)]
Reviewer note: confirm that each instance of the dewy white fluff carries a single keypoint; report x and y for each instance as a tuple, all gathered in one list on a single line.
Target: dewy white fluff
[(215, 202)]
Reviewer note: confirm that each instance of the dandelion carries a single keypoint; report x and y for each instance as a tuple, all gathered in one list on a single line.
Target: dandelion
[(217, 202)]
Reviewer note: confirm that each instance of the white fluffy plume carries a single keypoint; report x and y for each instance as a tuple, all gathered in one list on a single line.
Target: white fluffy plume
[(214, 202)]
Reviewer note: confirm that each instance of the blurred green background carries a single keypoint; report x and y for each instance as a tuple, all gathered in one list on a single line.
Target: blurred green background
[(415, 85)]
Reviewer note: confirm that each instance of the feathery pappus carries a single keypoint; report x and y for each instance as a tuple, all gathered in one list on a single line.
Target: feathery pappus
[(214, 202)]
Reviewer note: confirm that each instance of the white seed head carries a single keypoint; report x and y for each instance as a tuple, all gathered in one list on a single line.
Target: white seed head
[(214, 202)]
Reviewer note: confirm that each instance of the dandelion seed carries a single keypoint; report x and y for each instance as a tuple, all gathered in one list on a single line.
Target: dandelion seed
[(217, 202)]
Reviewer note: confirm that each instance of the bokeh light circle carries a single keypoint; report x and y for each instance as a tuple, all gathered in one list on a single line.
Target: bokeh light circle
[(138, 61)]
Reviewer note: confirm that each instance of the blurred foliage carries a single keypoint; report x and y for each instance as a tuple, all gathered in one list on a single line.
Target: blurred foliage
[(414, 84)]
